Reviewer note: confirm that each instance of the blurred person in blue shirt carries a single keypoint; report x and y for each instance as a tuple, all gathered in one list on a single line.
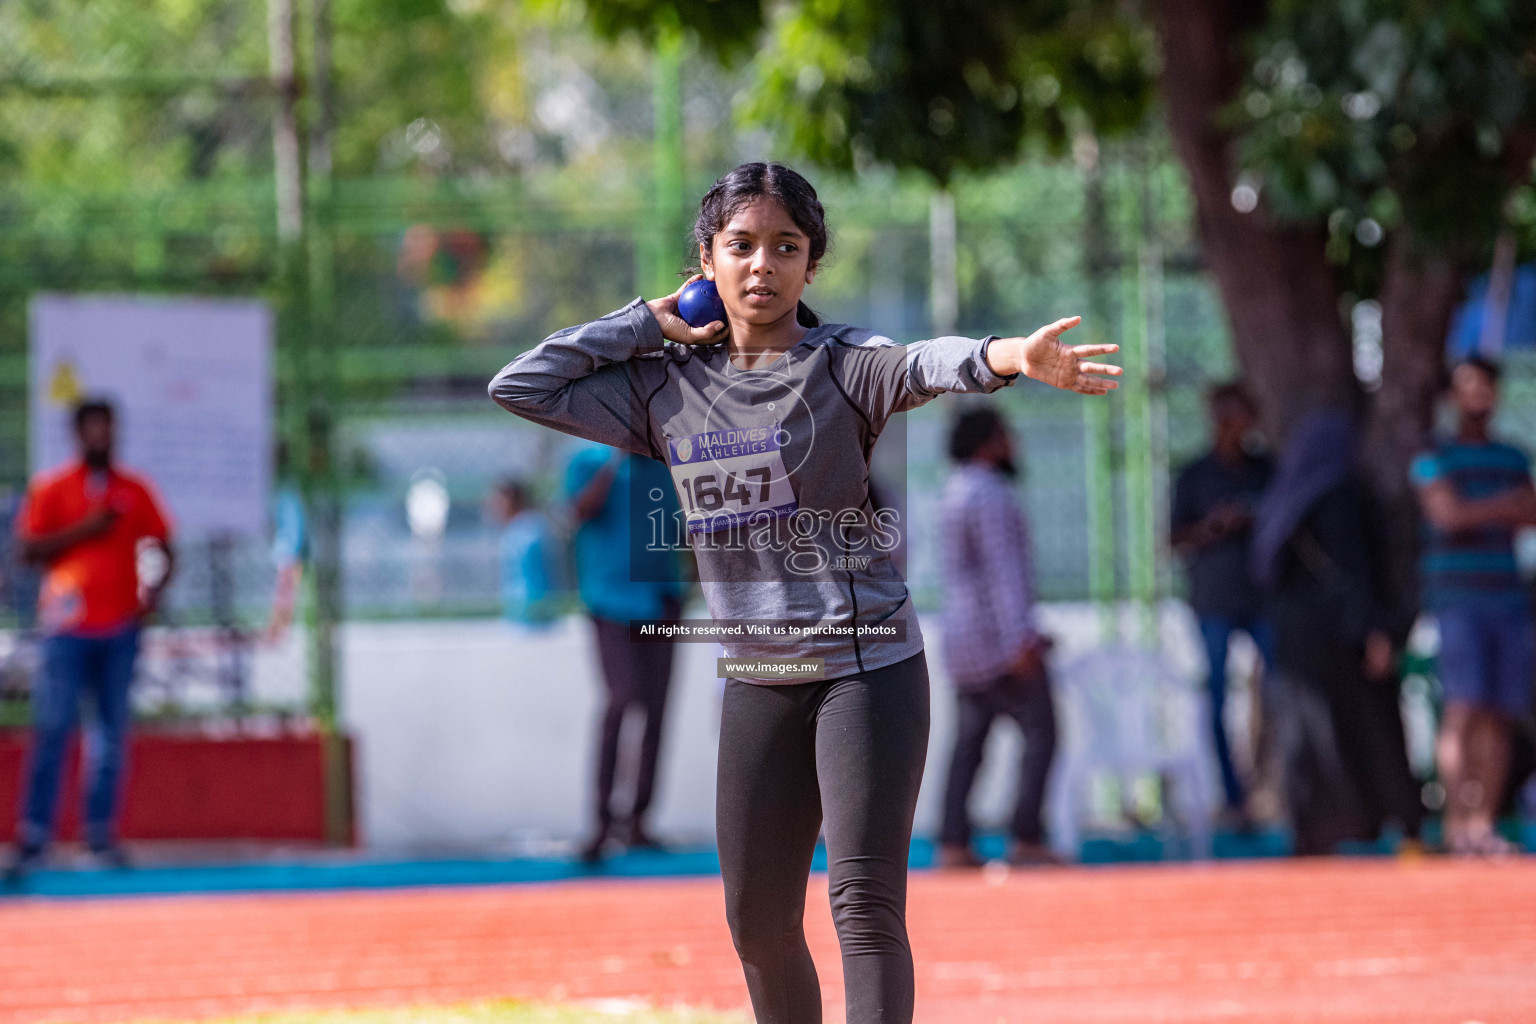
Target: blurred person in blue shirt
[(530, 591), (619, 502), (290, 553), (1475, 493)]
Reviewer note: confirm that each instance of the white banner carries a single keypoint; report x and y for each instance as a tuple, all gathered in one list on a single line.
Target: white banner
[(191, 382)]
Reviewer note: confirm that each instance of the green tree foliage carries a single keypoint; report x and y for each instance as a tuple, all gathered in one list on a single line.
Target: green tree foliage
[(936, 86), (91, 91), (429, 84), (150, 92), (1377, 114), (730, 27), (946, 86)]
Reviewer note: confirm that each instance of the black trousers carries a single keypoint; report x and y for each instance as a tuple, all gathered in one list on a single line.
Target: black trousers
[(1028, 702), (637, 677), (846, 753), (1345, 757)]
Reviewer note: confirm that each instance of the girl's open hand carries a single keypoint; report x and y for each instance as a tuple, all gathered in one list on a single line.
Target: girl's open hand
[(1045, 357), (675, 328)]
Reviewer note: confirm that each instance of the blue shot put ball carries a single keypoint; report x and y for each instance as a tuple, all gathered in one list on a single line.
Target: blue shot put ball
[(699, 305)]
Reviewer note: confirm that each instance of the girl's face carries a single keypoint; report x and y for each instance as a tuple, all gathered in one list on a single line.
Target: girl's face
[(760, 261)]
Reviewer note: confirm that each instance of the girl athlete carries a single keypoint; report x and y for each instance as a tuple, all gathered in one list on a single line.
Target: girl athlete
[(767, 423)]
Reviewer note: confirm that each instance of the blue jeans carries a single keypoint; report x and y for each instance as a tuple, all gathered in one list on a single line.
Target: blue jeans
[(100, 667), (1216, 631)]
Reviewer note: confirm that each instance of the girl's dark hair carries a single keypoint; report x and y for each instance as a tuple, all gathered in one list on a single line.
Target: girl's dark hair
[(783, 185)]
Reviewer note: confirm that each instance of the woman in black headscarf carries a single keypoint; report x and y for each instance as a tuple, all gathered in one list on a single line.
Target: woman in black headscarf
[(1318, 551)]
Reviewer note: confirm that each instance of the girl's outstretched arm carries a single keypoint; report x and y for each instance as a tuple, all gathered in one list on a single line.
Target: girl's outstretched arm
[(884, 378)]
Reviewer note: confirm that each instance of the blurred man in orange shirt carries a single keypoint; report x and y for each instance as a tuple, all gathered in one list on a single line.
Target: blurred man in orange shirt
[(86, 524)]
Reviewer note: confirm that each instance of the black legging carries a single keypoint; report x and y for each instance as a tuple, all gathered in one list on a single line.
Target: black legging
[(852, 749)]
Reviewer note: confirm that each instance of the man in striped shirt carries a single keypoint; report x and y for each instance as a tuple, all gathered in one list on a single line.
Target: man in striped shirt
[(1475, 492), (992, 647)]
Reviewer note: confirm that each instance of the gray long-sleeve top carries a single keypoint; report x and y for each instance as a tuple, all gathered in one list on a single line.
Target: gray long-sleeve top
[(771, 466)]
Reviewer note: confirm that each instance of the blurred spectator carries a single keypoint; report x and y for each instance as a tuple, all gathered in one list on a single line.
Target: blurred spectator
[(87, 523), (1211, 523), (18, 602), (992, 646), (1475, 492), (617, 498), (530, 594), (290, 548), (18, 581), (1318, 546)]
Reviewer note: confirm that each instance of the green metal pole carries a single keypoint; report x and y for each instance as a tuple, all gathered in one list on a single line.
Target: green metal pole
[(1145, 281), (1156, 380), (288, 186), (326, 485), (297, 333), (323, 492), (667, 246), (1098, 413)]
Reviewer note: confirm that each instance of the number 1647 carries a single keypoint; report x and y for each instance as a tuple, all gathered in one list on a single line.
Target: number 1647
[(703, 494)]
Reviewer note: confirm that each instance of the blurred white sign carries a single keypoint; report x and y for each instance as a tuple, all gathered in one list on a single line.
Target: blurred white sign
[(191, 382)]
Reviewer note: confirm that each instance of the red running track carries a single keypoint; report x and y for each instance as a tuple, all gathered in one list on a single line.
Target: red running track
[(1360, 941)]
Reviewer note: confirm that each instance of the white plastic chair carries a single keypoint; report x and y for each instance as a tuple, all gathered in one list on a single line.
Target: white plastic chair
[(1125, 711)]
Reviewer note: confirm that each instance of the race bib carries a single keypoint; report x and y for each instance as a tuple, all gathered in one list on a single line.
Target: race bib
[(734, 477)]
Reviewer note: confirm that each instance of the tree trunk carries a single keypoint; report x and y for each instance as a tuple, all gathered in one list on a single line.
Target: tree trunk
[(1418, 296), (1283, 300), (1280, 294)]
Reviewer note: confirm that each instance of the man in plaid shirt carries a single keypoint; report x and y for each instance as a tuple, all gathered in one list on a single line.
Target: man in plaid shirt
[(991, 646)]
